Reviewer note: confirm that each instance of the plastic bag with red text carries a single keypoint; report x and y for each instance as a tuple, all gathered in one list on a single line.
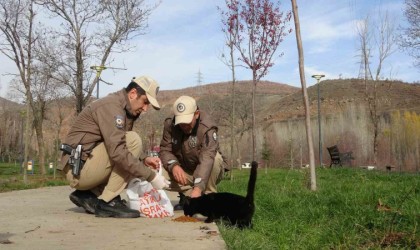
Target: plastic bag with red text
[(150, 202)]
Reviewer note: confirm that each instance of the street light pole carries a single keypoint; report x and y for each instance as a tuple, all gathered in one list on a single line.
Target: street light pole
[(318, 77), (99, 70)]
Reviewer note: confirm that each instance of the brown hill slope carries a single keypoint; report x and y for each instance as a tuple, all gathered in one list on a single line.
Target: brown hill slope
[(335, 94), (275, 102), (7, 105), (280, 101), (224, 89)]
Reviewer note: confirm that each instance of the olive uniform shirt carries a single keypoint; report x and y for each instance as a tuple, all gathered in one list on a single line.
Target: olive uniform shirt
[(107, 120), (194, 153)]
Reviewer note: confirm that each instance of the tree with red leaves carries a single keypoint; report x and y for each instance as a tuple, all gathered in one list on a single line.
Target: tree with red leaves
[(257, 28)]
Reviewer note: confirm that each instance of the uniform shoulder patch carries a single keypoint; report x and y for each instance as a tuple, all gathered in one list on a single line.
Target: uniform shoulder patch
[(119, 121), (214, 136)]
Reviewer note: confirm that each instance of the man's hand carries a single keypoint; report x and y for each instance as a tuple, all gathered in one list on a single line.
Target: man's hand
[(179, 175), (159, 182), (196, 192), (152, 162)]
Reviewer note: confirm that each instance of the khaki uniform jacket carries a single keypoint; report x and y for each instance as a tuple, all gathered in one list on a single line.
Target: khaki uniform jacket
[(194, 153), (107, 120)]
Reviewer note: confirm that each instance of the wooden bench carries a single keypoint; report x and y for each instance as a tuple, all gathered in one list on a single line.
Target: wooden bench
[(389, 168), (338, 158)]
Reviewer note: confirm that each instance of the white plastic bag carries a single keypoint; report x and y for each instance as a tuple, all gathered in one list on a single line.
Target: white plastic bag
[(150, 202)]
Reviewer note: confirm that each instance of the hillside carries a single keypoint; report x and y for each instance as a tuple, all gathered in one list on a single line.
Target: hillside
[(275, 103), (7, 105), (336, 94), (220, 91), (224, 89)]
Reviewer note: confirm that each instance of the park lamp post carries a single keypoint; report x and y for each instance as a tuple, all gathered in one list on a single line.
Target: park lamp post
[(99, 70), (318, 77)]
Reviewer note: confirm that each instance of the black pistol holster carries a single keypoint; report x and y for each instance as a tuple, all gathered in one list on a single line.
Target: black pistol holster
[(75, 160)]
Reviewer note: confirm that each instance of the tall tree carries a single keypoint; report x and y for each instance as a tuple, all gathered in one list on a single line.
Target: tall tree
[(305, 97), (230, 29), (261, 27), (91, 31), (385, 40), (381, 35), (17, 26), (410, 40)]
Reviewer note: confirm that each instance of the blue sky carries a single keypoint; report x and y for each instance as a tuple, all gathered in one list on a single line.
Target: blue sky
[(184, 37)]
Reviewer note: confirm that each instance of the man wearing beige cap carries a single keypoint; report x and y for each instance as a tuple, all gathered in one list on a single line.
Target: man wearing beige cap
[(190, 152), (101, 153)]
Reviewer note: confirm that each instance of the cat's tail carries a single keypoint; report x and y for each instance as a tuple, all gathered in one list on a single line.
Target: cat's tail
[(252, 181)]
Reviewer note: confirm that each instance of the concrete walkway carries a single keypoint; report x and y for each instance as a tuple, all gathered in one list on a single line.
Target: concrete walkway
[(46, 219)]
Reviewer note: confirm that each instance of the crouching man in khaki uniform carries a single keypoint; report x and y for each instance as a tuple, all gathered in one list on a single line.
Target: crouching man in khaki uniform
[(190, 152), (111, 152)]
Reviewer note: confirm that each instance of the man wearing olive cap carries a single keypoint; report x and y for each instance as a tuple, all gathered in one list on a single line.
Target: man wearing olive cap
[(111, 151), (190, 152)]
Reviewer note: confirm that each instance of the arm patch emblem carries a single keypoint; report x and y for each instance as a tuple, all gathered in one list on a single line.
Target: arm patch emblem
[(119, 121)]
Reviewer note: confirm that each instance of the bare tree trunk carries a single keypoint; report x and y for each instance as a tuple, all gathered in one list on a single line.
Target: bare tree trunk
[(56, 151), (305, 97), (239, 152), (231, 38), (385, 40), (232, 125), (27, 138), (41, 146), (254, 136), (375, 120)]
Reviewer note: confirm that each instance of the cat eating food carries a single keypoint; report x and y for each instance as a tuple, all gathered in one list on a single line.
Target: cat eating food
[(236, 209)]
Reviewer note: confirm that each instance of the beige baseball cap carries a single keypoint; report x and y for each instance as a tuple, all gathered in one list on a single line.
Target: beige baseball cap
[(151, 87), (184, 108)]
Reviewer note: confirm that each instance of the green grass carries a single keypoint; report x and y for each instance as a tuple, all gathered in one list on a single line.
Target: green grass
[(341, 214), (11, 178)]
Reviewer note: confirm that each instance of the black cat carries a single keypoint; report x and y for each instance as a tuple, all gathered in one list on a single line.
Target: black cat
[(236, 209)]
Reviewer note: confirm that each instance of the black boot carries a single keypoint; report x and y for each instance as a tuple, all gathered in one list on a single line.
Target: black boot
[(85, 199), (180, 205), (115, 208)]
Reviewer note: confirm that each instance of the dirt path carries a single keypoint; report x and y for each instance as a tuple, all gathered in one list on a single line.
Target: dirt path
[(46, 219)]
